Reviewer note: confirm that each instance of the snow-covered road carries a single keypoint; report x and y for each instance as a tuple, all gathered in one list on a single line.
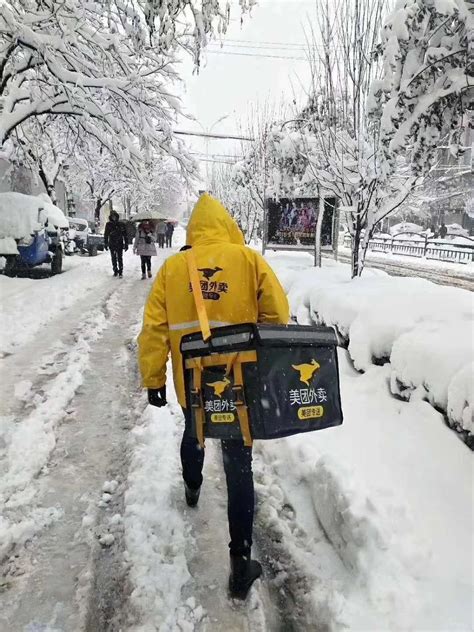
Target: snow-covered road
[(364, 527), (67, 384)]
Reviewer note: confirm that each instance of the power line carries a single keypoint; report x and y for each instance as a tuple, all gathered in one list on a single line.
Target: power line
[(275, 44), (222, 52), (218, 136), (230, 156)]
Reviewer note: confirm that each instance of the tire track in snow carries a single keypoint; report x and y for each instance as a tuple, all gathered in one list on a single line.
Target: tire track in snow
[(78, 458), (30, 440)]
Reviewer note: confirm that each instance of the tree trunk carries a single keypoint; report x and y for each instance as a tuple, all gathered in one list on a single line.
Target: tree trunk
[(355, 251), (98, 206), (49, 186), (319, 225)]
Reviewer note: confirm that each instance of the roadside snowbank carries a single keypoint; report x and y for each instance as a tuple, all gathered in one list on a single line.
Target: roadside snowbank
[(392, 489), (423, 329)]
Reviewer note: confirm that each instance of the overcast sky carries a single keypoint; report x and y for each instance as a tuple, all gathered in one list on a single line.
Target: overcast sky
[(261, 61)]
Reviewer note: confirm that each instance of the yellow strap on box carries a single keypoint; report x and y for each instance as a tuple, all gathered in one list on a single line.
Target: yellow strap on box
[(197, 293), (199, 412), (242, 410)]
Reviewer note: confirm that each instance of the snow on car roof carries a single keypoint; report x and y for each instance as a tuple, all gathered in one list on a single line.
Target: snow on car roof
[(21, 215)]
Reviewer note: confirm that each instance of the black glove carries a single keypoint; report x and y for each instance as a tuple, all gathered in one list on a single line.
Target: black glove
[(157, 396), (106, 247), (126, 247)]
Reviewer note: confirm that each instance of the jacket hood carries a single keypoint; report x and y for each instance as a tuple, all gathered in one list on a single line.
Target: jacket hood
[(210, 222)]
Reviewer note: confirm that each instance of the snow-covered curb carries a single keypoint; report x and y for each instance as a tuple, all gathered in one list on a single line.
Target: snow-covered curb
[(423, 329), (156, 534), (391, 489)]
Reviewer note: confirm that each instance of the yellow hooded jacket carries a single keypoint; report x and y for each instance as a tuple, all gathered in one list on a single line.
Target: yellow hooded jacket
[(238, 287)]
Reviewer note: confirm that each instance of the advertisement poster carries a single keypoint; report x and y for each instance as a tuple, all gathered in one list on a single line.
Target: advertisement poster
[(292, 223)]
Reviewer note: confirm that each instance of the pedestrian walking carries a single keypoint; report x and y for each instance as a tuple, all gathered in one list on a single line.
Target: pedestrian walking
[(115, 239), (244, 290), (169, 234), (161, 234), (443, 231), (144, 246)]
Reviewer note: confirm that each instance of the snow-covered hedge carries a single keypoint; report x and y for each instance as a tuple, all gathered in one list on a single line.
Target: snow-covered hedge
[(423, 329)]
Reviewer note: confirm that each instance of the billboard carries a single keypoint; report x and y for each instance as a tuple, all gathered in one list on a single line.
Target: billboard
[(291, 223)]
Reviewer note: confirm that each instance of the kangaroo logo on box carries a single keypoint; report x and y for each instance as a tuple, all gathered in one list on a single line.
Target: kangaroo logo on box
[(220, 386), (306, 398), (306, 371)]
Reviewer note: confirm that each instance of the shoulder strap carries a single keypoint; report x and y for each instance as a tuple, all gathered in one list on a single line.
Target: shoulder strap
[(197, 293)]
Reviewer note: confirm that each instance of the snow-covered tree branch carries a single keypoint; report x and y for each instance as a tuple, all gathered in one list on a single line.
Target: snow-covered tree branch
[(90, 62), (427, 86)]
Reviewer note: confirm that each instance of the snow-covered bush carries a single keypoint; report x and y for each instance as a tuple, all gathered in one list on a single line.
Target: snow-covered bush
[(424, 330)]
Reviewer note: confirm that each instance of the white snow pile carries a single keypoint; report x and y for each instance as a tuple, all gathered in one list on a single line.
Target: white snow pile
[(425, 330), (21, 215), (391, 488), (29, 306), (406, 227), (25, 447), (156, 535)]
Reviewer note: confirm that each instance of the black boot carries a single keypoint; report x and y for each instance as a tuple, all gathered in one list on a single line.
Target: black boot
[(243, 572), (192, 495)]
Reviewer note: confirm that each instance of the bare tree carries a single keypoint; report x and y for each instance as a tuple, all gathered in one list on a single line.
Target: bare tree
[(339, 147)]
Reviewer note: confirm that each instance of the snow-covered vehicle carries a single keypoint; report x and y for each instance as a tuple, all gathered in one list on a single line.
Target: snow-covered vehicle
[(32, 232), (456, 230), (405, 227), (84, 237)]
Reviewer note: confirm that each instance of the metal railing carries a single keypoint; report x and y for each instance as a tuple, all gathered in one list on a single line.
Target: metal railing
[(421, 247)]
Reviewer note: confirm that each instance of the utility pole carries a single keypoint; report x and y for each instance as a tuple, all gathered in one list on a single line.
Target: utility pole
[(207, 135)]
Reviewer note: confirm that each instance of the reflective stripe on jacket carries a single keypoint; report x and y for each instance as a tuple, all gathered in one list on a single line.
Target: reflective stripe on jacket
[(238, 286)]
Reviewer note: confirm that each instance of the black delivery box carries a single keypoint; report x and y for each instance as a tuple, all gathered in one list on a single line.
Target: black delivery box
[(276, 380)]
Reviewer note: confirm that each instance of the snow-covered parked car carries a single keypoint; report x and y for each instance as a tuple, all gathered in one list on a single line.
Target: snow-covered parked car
[(83, 235), (32, 233), (456, 230), (405, 227)]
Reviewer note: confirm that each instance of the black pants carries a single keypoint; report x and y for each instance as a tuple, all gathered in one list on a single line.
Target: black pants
[(117, 260), (240, 493), (146, 263)]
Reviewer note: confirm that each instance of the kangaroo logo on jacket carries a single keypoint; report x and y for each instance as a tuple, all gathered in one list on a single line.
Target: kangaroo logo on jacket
[(212, 289), (208, 273), (308, 399)]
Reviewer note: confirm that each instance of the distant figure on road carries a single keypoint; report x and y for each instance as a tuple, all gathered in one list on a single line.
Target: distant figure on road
[(144, 246), (169, 234), (443, 231), (161, 234), (115, 238)]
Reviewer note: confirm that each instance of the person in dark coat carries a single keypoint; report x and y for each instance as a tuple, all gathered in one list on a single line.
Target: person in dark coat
[(115, 239), (169, 234), (443, 231)]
